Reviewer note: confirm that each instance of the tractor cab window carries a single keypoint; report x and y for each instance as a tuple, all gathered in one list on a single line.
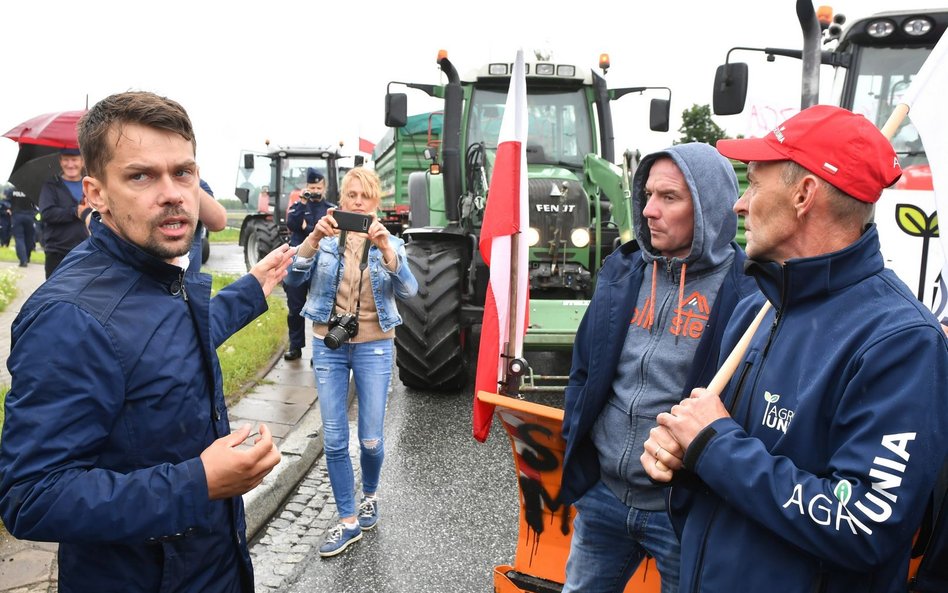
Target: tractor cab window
[(881, 78), (558, 129), (294, 176)]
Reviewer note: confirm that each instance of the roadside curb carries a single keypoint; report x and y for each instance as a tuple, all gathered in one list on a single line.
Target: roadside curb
[(299, 452)]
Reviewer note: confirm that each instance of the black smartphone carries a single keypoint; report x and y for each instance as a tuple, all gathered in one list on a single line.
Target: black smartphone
[(352, 221)]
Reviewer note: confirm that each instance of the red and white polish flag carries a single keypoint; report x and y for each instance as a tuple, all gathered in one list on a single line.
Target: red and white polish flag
[(505, 217)]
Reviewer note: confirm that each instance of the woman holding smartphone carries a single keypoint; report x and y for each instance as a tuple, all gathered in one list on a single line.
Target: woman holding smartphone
[(355, 279)]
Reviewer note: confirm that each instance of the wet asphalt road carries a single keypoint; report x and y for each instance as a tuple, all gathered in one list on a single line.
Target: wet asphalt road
[(225, 257), (448, 510), (449, 505)]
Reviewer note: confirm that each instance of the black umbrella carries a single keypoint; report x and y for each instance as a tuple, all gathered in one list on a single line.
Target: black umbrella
[(34, 165)]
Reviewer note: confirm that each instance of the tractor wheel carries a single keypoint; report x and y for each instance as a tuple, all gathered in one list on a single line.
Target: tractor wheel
[(263, 238), (205, 246), (428, 342)]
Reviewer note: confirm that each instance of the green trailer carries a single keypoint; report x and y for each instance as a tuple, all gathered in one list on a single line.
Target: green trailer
[(401, 152)]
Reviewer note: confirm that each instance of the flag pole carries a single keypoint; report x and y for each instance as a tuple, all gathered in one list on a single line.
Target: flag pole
[(511, 382), (720, 379), (895, 120)]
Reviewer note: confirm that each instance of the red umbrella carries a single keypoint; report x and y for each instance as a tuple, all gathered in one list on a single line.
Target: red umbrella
[(50, 129)]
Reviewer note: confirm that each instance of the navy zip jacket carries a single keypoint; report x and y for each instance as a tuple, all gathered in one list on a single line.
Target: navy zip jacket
[(599, 343), (116, 391), (309, 211), (62, 229), (838, 427), (604, 329)]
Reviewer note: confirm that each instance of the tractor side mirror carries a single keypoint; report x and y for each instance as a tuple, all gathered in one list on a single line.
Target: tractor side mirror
[(243, 194), (730, 88), (358, 160), (659, 115), (248, 161), (396, 110)]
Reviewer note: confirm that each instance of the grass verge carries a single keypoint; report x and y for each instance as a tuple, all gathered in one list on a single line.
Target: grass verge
[(249, 352), (9, 254), (228, 235)]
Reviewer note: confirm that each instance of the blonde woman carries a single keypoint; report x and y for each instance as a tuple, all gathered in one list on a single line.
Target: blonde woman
[(354, 281)]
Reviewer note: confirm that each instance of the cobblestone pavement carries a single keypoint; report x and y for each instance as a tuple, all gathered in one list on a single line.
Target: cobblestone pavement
[(280, 553)]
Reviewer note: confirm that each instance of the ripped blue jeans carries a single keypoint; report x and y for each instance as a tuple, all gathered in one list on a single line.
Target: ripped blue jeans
[(371, 366)]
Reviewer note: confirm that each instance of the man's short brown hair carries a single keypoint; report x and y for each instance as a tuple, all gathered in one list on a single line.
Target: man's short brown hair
[(117, 111), (842, 206)]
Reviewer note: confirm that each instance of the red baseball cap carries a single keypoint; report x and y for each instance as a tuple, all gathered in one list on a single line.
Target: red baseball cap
[(842, 148)]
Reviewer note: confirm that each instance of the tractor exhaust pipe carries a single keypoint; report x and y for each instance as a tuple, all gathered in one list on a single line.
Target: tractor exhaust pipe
[(812, 33), (451, 142)]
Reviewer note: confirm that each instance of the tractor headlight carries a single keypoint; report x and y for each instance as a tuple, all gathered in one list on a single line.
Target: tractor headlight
[(880, 28), (545, 69), (533, 237), (580, 237), (917, 26)]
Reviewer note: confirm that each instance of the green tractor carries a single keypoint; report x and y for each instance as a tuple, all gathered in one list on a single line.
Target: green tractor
[(272, 179), (578, 203)]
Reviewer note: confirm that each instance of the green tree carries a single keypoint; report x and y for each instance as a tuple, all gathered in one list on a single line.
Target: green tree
[(697, 126)]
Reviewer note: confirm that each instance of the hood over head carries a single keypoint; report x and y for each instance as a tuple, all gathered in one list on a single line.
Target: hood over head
[(713, 185)]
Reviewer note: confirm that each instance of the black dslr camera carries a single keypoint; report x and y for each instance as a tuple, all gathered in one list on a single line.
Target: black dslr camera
[(342, 328)]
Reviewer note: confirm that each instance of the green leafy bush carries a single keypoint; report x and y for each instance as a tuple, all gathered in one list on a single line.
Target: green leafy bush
[(8, 280)]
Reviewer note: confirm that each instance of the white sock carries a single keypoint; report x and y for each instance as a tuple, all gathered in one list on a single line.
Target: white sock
[(372, 497), (350, 526)]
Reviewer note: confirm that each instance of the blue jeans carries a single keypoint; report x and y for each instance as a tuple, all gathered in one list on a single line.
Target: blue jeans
[(371, 366), (610, 540)]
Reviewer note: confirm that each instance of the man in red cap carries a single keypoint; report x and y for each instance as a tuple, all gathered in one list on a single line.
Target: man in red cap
[(813, 467)]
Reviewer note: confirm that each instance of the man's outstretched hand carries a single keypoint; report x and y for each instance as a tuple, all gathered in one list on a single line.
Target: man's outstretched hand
[(231, 471), (271, 270)]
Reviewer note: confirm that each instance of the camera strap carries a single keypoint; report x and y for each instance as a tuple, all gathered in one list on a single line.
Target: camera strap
[(362, 266)]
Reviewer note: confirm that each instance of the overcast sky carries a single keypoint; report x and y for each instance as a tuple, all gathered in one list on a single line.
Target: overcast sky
[(313, 73)]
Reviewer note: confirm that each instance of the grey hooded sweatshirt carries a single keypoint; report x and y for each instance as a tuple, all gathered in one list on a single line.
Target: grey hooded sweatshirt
[(671, 311)]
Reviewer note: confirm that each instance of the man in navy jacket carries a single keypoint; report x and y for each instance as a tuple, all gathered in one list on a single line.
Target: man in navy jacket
[(63, 209), (651, 333), (116, 441), (818, 458)]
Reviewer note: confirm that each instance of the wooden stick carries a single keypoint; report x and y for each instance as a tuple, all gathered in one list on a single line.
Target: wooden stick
[(895, 120), (719, 382)]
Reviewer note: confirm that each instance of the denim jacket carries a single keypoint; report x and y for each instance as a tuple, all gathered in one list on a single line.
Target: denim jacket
[(386, 285)]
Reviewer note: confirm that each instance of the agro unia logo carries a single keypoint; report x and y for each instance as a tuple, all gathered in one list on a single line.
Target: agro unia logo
[(774, 416)]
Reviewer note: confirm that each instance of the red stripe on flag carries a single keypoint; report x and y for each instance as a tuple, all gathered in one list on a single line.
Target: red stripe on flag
[(502, 215), (366, 146), (501, 218), (488, 356)]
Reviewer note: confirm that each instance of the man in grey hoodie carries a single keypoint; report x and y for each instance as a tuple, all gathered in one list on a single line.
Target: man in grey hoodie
[(652, 333)]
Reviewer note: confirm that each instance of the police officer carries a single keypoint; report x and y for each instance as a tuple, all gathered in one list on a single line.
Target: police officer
[(24, 219), (6, 221), (300, 220)]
